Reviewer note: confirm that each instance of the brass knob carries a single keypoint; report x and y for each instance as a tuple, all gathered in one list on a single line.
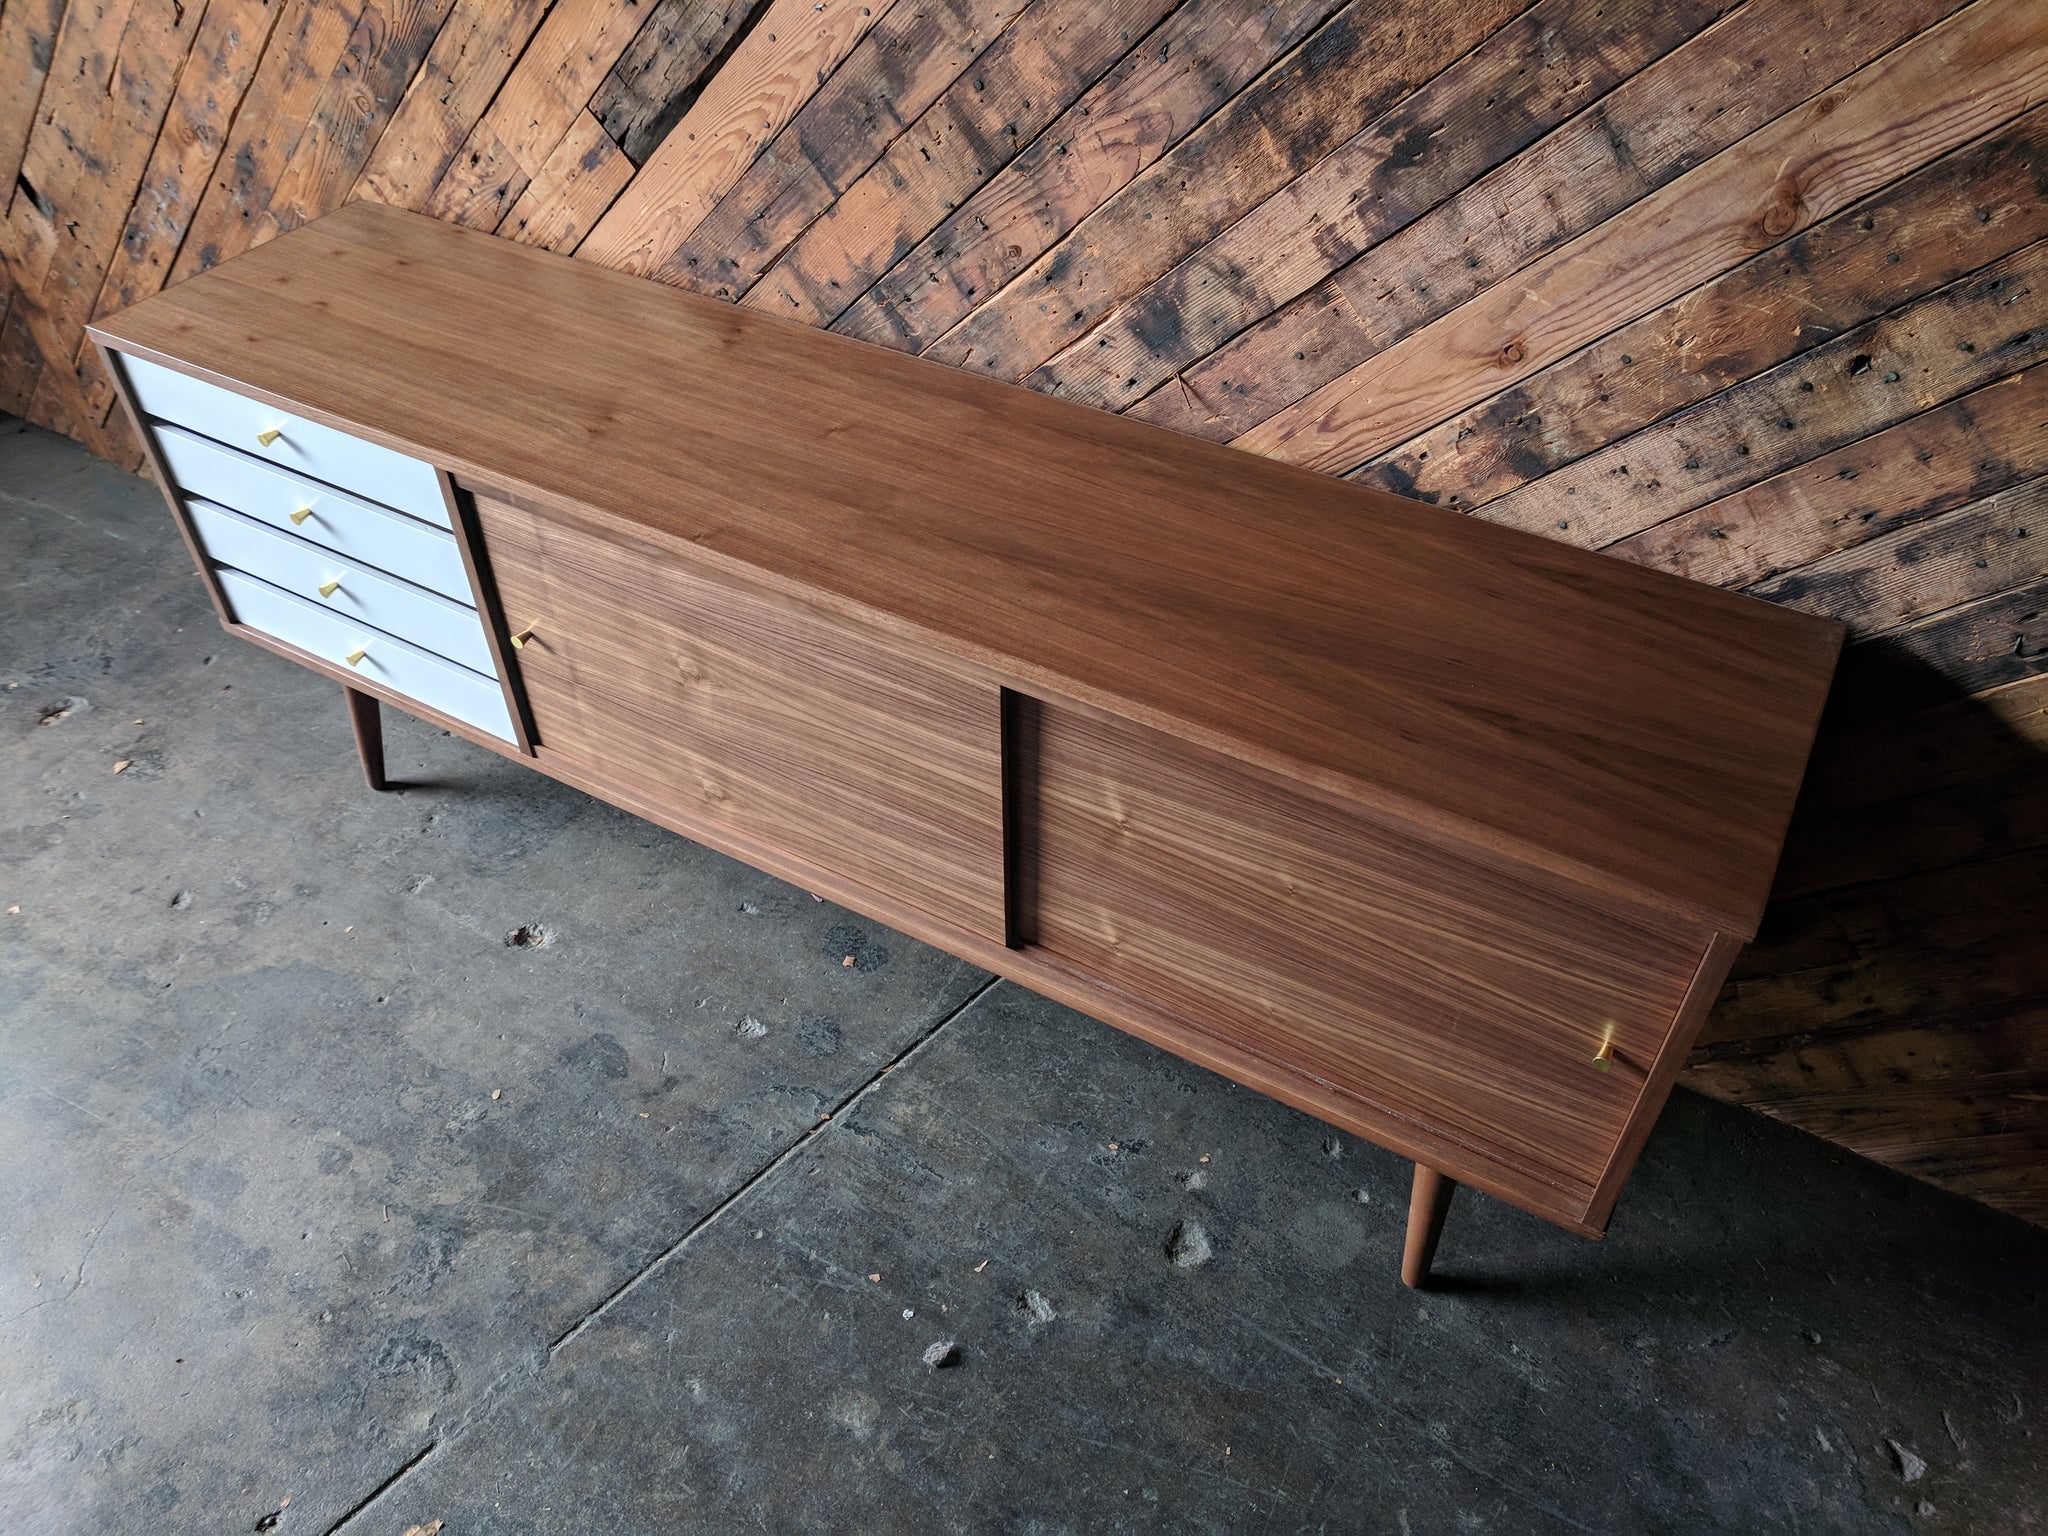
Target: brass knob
[(355, 656), (329, 588), (269, 435), (1603, 1059), (301, 515), (519, 640)]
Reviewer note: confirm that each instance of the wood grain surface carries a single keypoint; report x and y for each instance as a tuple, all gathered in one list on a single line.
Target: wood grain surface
[(1460, 995), (1821, 157), (1631, 731), (848, 750), (767, 80)]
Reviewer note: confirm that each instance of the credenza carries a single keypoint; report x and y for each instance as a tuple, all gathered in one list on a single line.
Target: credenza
[(1442, 832)]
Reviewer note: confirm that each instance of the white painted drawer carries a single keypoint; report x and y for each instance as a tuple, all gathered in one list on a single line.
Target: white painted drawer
[(436, 683), (325, 454), (404, 546), (427, 619)]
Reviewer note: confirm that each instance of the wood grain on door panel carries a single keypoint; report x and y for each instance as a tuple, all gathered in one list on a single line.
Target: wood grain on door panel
[(842, 747), (1465, 998)]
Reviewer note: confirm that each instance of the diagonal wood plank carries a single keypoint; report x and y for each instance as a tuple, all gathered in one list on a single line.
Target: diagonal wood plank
[(106, 100), (664, 69), (390, 41), (1889, 118), (1921, 468), (472, 54), (28, 245), (1913, 573), (1370, 56), (28, 41), (1515, 90), (1962, 212), (581, 179), (1927, 946), (305, 46), (1991, 814), (1958, 1099), (564, 63), (780, 65), (1729, 80), (231, 39), (1155, 97), (900, 68), (1954, 340), (32, 37), (64, 84), (386, 44), (20, 363), (13, 394), (1017, 86), (1970, 648)]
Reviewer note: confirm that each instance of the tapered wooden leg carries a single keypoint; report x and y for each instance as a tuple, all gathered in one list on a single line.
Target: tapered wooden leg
[(368, 720), (1427, 1203)]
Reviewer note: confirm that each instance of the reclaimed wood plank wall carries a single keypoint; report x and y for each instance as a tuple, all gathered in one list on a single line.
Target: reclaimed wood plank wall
[(1756, 292)]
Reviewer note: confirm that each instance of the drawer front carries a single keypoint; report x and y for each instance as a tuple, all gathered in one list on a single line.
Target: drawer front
[(789, 728), (436, 683), (1461, 997), (348, 462), (403, 546), (427, 619)]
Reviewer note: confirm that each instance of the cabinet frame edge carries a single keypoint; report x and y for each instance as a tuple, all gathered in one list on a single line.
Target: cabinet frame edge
[(152, 452), (1700, 995), (476, 564)]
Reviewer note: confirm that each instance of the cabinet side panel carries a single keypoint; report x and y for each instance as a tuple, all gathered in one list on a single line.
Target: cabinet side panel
[(1468, 999), (1699, 1000), (483, 593), (844, 748), (152, 454)]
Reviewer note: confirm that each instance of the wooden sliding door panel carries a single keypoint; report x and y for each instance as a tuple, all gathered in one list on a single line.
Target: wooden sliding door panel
[(839, 745), (1468, 999)]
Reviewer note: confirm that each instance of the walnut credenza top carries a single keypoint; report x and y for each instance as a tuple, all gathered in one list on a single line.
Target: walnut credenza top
[(1395, 814)]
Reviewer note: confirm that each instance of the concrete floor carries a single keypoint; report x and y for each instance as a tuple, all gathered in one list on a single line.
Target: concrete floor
[(325, 1205)]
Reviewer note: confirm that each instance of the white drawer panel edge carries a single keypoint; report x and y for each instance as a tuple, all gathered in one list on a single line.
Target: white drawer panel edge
[(425, 618), (403, 668), (306, 446), (361, 530)]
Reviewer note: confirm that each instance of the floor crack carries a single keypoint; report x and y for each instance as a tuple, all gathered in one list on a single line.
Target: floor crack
[(384, 1487), (489, 1398), (740, 1192)]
